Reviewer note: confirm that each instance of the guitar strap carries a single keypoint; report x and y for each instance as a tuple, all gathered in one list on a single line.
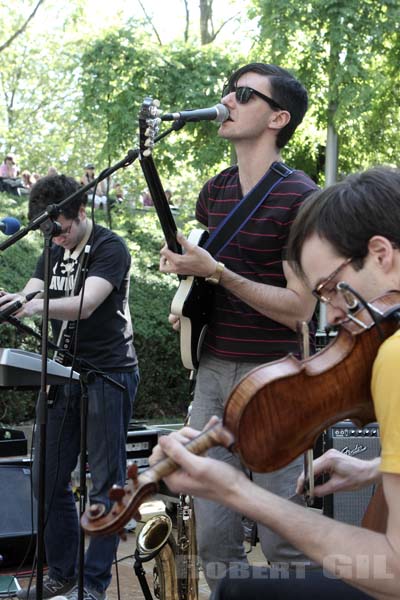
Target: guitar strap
[(67, 331), (244, 210)]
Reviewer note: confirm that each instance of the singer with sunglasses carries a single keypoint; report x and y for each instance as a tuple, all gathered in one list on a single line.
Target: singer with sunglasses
[(258, 299), (345, 246)]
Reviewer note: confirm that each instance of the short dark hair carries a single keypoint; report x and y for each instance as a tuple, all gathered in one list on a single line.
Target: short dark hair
[(286, 90), (52, 189), (348, 214)]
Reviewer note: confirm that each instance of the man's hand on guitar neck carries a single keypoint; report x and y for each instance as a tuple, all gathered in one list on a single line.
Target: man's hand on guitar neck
[(195, 260)]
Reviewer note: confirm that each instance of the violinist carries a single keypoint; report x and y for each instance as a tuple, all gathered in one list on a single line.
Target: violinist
[(349, 232)]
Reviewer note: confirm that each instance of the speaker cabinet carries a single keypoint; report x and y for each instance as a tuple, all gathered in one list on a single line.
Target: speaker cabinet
[(363, 443), (17, 515)]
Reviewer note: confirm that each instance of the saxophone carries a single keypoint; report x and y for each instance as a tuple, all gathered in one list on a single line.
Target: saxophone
[(176, 569), (175, 573)]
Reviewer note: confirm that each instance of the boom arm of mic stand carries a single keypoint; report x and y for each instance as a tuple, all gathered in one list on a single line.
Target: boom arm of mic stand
[(176, 126)]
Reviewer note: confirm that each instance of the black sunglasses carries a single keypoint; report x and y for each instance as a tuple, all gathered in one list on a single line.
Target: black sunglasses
[(244, 93)]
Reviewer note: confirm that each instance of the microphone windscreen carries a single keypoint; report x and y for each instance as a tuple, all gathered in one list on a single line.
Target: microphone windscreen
[(10, 225)]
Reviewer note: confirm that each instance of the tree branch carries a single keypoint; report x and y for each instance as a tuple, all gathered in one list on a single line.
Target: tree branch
[(223, 25), (150, 21), (21, 29)]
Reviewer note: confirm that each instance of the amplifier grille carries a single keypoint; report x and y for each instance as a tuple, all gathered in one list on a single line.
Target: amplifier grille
[(363, 443)]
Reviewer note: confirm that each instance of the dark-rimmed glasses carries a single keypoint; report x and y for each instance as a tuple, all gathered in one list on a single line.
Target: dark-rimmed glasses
[(67, 230), (326, 296), (244, 93)]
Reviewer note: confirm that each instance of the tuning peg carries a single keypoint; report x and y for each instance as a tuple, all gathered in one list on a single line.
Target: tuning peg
[(116, 493), (147, 152), (95, 511), (132, 471), (133, 474), (154, 110)]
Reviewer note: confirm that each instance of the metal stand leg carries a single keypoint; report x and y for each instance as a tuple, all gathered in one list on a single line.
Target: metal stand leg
[(86, 378)]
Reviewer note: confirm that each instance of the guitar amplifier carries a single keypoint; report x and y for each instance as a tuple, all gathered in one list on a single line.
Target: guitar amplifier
[(363, 443), (140, 444), (18, 513), (12, 442)]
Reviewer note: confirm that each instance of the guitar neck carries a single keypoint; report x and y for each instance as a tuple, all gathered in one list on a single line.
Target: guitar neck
[(160, 202)]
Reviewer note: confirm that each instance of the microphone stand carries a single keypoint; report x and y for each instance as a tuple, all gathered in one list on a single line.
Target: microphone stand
[(49, 231)]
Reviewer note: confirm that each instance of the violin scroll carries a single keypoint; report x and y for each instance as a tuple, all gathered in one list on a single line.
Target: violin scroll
[(127, 499)]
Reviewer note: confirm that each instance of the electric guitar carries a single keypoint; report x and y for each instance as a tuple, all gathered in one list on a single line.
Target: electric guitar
[(193, 300)]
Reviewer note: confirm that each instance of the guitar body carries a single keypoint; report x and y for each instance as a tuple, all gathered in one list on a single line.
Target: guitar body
[(193, 303)]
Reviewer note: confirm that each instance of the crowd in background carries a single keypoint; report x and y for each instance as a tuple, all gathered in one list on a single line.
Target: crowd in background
[(18, 182)]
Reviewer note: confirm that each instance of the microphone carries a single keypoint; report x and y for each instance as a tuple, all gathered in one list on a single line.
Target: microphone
[(9, 225), (15, 306), (218, 113)]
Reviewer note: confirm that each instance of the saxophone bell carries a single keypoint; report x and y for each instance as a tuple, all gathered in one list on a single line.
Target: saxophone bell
[(153, 536)]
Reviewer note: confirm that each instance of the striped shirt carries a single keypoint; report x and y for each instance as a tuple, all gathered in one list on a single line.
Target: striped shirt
[(237, 331)]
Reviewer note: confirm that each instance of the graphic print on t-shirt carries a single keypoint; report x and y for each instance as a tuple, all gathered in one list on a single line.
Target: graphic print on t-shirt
[(64, 273)]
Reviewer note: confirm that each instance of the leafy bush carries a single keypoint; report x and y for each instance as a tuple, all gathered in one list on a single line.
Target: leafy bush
[(163, 391)]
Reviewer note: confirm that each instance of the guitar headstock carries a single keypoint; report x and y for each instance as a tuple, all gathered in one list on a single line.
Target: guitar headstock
[(149, 125)]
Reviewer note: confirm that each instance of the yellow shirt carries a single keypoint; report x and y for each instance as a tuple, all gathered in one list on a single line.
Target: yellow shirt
[(385, 388)]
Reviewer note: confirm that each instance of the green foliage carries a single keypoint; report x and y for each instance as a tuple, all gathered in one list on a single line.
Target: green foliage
[(344, 52), (112, 97), (163, 389), (17, 263)]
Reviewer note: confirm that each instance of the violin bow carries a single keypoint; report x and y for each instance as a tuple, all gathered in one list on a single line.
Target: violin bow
[(304, 340)]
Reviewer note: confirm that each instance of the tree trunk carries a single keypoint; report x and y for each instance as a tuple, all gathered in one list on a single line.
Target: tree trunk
[(206, 24)]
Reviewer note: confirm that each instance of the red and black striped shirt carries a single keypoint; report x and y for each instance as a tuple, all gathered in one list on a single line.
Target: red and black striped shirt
[(237, 331)]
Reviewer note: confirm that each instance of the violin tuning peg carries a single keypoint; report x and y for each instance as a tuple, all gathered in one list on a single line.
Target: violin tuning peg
[(116, 493), (133, 474), (95, 511), (133, 471)]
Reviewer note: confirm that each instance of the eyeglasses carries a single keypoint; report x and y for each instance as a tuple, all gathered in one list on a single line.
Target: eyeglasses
[(326, 296), (244, 93), (67, 229)]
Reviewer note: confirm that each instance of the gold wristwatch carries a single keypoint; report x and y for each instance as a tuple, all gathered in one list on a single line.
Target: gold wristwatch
[(215, 277)]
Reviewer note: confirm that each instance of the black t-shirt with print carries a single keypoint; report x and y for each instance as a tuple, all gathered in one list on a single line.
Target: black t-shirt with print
[(106, 337)]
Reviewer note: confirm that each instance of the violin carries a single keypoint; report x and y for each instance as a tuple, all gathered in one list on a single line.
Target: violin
[(277, 411)]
